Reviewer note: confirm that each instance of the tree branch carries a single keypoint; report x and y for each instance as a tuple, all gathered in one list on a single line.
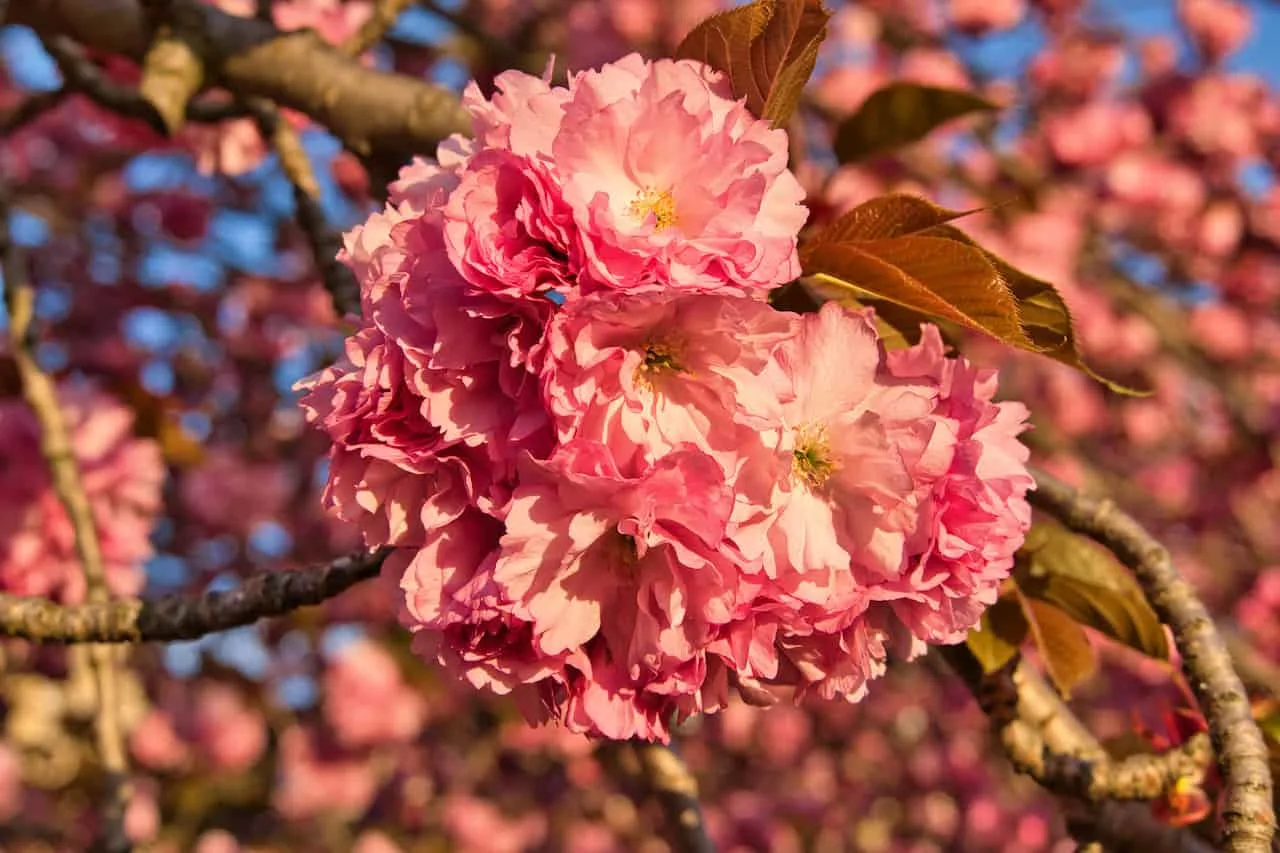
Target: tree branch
[(1016, 697), (662, 774), (324, 242), (1248, 815), (184, 617), (385, 13), (374, 113), (41, 394)]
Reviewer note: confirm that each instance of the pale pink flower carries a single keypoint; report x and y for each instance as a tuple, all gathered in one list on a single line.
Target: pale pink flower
[(840, 491), (316, 778), (673, 183), (982, 16), (366, 701), (122, 476), (1218, 27), (645, 374)]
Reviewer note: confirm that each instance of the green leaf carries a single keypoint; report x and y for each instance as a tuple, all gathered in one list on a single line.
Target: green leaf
[(1064, 646), (899, 114), (998, 636), (1086, 582), (767, 48)]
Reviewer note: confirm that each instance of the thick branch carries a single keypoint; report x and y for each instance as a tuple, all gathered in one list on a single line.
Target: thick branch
[(172, 74), (1248, 815), (1017, 697), (374, 113), (184, 617)]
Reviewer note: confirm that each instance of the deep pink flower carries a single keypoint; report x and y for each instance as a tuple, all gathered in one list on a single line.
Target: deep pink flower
[(461, 618)]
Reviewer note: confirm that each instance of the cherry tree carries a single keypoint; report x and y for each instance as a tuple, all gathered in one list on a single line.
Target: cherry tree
[(632, 425)]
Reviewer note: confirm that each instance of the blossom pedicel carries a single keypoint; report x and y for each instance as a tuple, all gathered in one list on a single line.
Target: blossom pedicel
[(619, 483)]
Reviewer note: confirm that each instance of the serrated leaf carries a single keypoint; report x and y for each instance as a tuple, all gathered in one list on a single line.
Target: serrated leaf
[(912, 266), (933, 276), (1064, 646), (1044, 314), (1086, 582), (998, 636), (767, 48), (899, 114), (887, 216)]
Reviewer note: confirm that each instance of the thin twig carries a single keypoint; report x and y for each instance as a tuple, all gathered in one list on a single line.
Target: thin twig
[(41, 394), (187, 616), (1248, 814), (83, 76), (324, 243), (383, 18)]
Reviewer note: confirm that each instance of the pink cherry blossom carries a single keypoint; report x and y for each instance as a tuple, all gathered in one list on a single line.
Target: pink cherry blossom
[(976, 505), (672, 183), (367, 702), (1218, 27), (122, 476), (644, 374)]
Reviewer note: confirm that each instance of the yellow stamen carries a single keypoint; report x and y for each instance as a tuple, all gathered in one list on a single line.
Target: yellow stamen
[(659, 357), (812, 461), (659, 203)]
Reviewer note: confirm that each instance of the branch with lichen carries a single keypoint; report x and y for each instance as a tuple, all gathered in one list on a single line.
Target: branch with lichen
[(323, 240), (1248, 814), (41, 395), (184, 616), (1046, 740)]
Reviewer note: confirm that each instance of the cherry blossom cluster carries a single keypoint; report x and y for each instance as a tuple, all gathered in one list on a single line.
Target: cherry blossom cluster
[(618, 482)]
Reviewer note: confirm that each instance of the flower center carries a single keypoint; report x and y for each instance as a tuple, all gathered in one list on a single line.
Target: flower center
[(659, 357), (659, 203), (811, 460)]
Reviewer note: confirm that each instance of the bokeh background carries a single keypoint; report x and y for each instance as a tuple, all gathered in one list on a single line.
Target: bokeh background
[(1134, 166)]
